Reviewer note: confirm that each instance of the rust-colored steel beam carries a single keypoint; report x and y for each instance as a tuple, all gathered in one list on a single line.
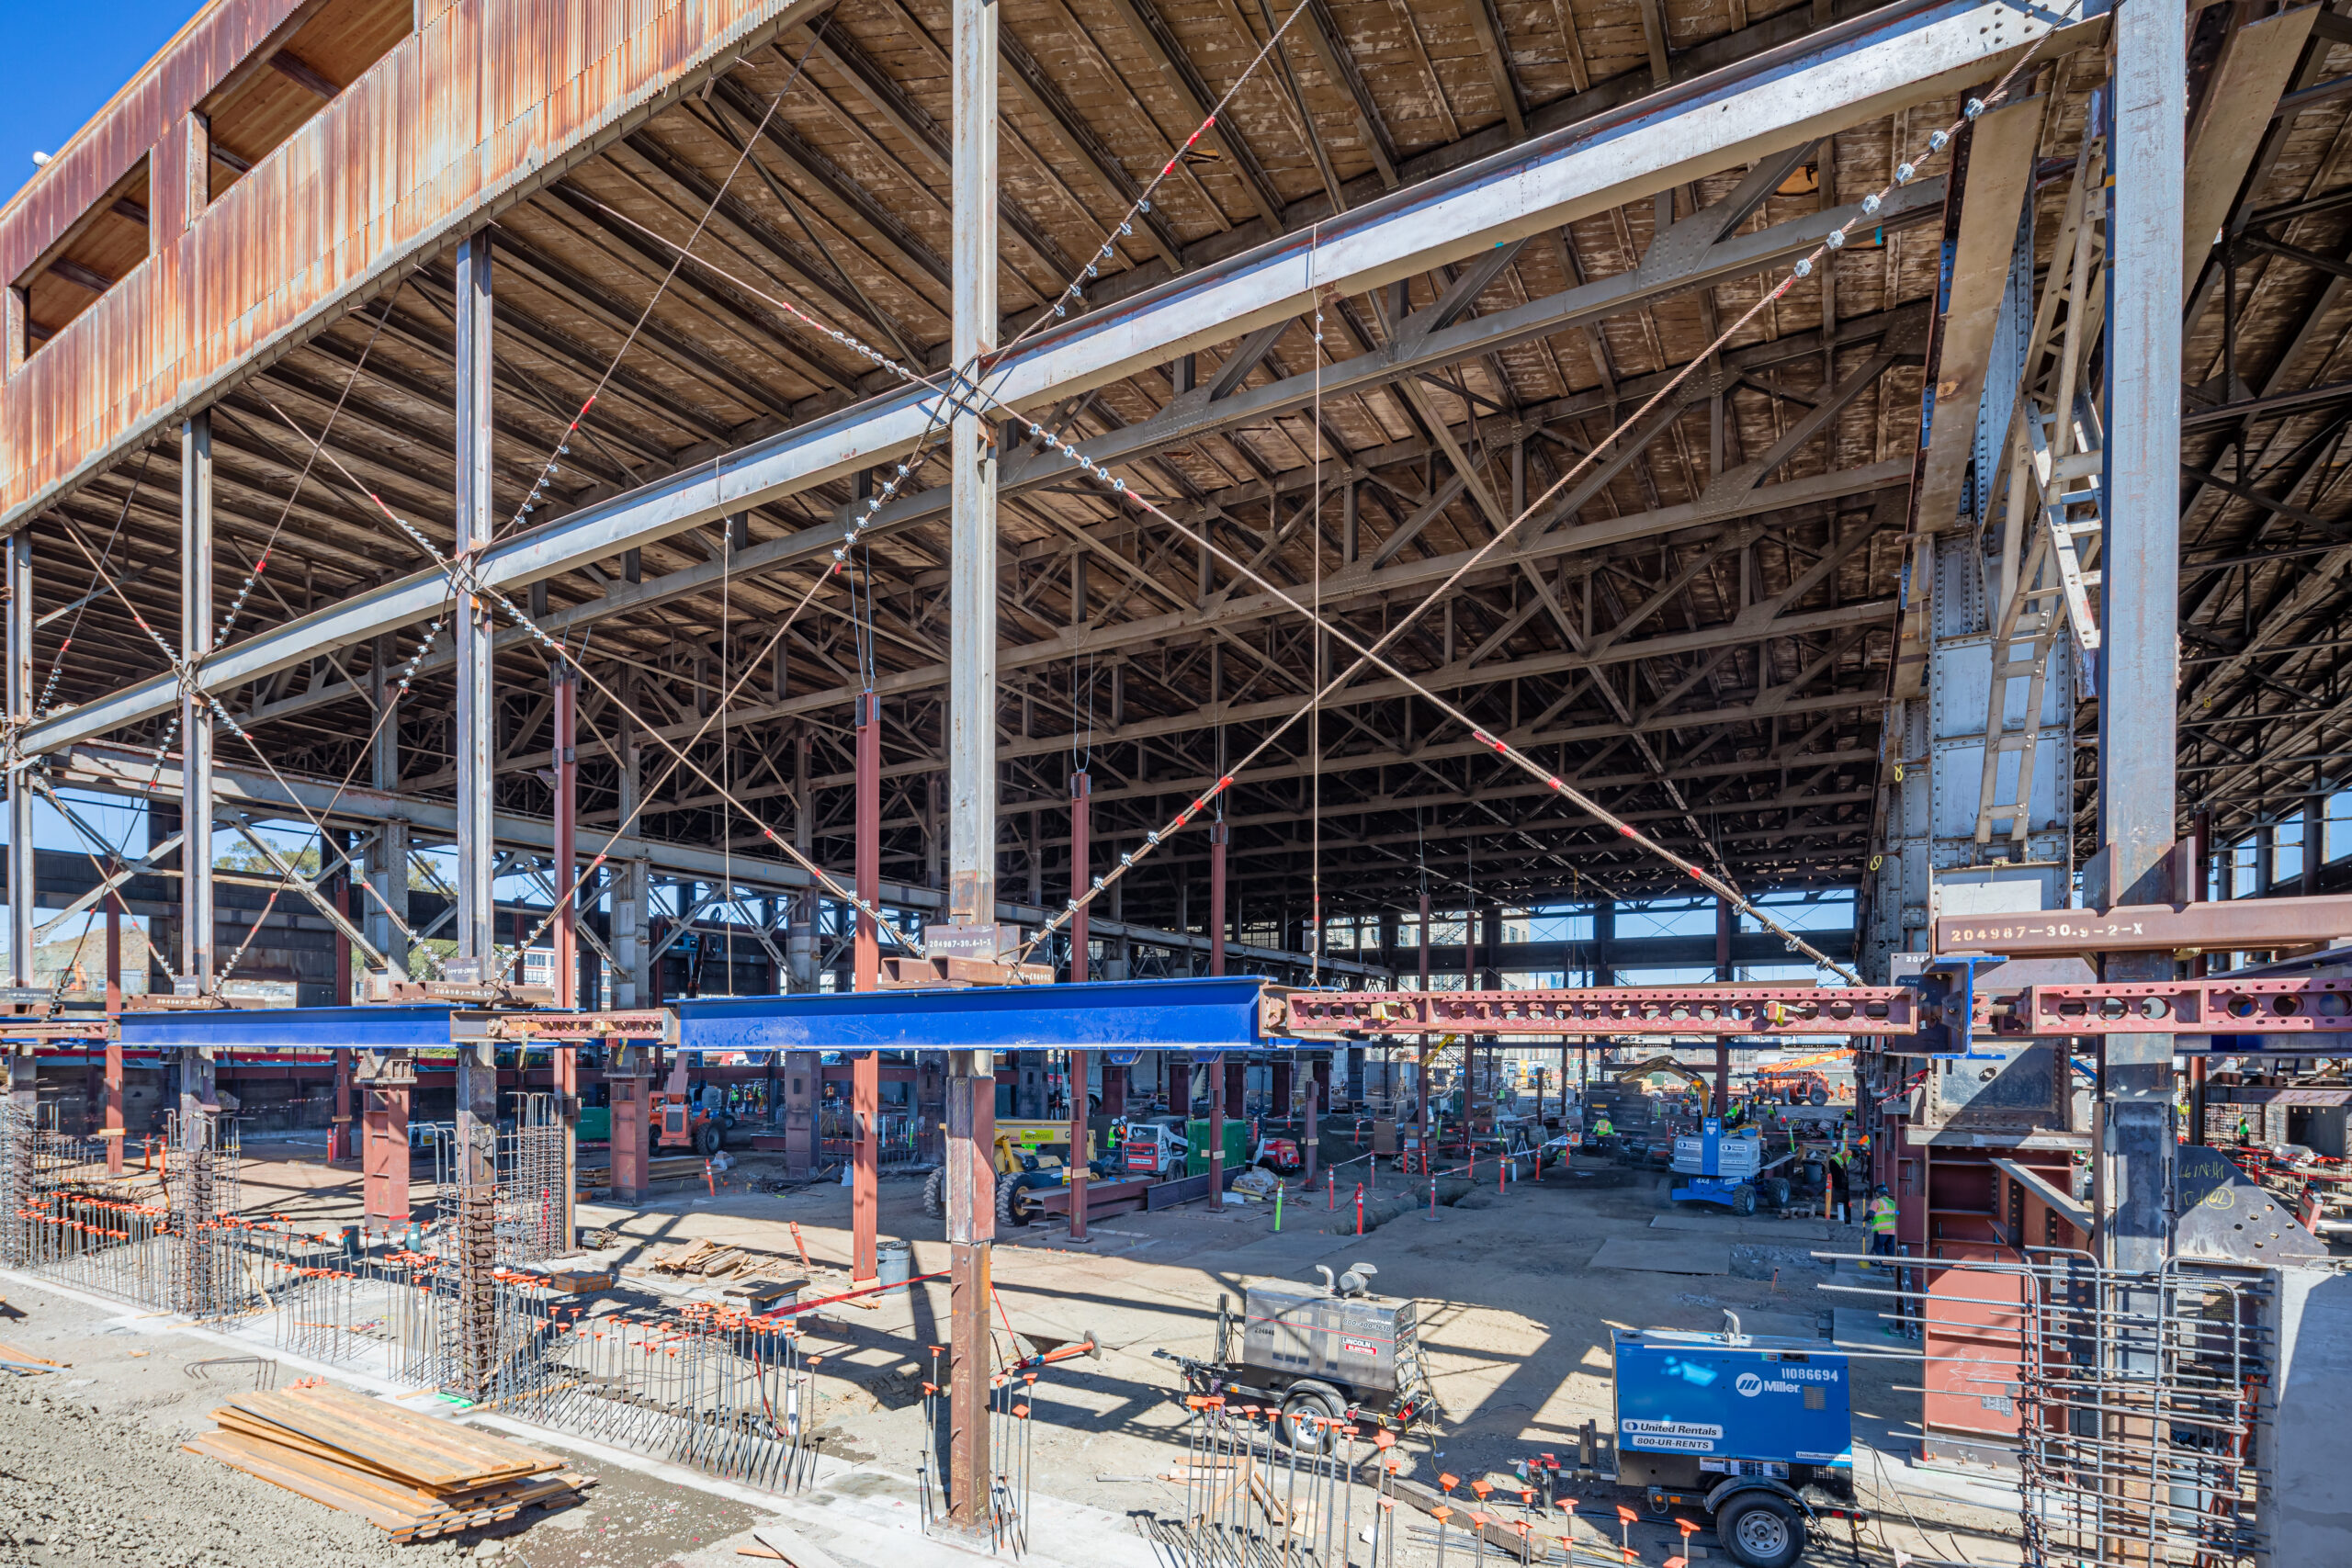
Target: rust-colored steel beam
[(2299, 1006), (2236, 925), (1614, 1009)]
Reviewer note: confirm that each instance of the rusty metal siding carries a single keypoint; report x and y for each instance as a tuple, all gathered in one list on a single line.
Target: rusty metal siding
[(213, 44), (391, 169)]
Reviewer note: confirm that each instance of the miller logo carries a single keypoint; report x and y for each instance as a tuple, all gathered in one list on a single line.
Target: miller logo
[(1749, 1386)]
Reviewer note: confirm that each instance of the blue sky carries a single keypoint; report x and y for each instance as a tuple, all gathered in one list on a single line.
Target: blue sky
[(64, 62)]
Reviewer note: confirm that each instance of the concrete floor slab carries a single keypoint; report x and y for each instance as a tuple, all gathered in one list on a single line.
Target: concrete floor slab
[(1676, 1256)]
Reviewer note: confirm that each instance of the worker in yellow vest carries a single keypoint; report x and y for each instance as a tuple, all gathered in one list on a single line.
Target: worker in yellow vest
[(1882, 1223), (1601, 1127)]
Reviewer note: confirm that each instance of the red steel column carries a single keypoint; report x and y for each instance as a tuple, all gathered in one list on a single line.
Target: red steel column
[(866, 1071), (971, 1228), (384, 1145), (1081, 792), (627, 1091), (1217, 898), (1427, 1047), (866, 956), (113, 1127), (1214, 1197)]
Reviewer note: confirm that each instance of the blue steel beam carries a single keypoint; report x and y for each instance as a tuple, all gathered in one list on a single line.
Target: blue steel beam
[(1210, 1016), (401, 1028)]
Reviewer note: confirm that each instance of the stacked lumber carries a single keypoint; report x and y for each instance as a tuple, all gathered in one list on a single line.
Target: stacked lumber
[(409, 1475), (708, 1259)]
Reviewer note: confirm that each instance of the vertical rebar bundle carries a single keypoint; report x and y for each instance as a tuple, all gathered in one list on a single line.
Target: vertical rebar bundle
[(1264, 1488), (2137, 1396)]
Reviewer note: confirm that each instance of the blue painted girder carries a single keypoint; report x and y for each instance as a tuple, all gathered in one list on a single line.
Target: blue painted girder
[(1205, 1017), (402, 1028)]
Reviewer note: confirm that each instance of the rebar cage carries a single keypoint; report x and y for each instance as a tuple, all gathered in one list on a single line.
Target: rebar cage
[(2137, 1397)]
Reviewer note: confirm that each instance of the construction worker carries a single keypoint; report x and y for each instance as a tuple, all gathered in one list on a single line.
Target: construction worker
[(1601, 1127), (2245, 1129), (1882, 1223)]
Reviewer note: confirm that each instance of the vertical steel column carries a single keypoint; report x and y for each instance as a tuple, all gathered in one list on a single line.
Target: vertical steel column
[(1080, 1128), (800, 933), (476, 933), (1428, 1042), (866, 1071), (628, 1084), (1081, 858), (384, 1170), (1723, 921), (1081, 864), (1214, 1197), (198, 1100), (566, 694), (1217, 837), (339, 1118), (971, 1232), (21, 873), (1311, 1128), (477, 936), (2139, 600), (971, 738), (869, 831), (113, 1126), (196, 716)]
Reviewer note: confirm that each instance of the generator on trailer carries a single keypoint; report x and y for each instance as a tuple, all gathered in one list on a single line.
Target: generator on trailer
[(1318, 1355)]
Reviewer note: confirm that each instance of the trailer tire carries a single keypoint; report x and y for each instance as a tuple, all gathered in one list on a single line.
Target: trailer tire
[(1743, 1199), (1780, 1192), (934, 1195), (1760, 1530), (1303, 1407)]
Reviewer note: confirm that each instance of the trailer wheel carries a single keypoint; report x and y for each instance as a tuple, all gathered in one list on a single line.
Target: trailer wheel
[(1760, 1530), (934, 1195), (1780, 1192), (1743, 1199), (1308, 1411)]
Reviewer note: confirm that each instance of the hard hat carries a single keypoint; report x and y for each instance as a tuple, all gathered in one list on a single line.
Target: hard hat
[(1880, 1191)]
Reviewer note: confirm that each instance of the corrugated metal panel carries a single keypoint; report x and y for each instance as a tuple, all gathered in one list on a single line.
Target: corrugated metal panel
[(102, 152), (393, 168)]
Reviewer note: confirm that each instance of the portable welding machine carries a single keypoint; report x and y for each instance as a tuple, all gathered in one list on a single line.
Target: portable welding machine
[(1758, 1431)]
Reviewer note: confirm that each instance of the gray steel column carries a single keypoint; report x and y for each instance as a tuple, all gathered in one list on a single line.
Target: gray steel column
[(387, 856), (196, 715), (20, 793), (971, 752), (628, 880), (2139, 599), (476, 924), (476, 1108), (972, 694)]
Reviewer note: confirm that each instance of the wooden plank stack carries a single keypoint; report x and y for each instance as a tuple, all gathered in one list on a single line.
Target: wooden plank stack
[(409, 1475), (707, 1260)]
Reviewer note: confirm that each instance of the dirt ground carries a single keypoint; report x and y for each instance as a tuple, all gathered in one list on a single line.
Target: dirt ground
[(1515, 1317)]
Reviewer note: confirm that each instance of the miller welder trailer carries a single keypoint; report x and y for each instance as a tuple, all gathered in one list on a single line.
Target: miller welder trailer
[(1755, 1430)]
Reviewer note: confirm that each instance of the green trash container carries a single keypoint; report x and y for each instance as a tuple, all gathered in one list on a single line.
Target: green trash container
[(1236, 1145)]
